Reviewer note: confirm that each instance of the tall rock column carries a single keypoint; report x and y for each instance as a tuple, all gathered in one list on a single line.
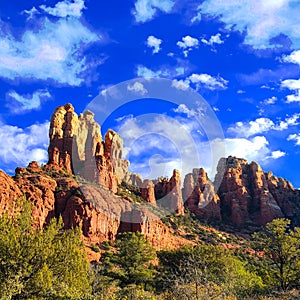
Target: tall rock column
[(62, 129), (169, 193)]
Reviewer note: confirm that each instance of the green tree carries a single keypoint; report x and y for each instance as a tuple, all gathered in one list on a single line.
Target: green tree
[(281, 246), (38, 263), (131, 260), (206, 272)]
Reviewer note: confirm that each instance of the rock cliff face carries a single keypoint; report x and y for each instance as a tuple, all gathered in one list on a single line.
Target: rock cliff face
[(249, 195)]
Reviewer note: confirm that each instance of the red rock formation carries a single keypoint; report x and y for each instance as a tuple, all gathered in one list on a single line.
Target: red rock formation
[(147, 191), (62, 129), (244, 192), (9, 193), (200, 196), (168, 193)]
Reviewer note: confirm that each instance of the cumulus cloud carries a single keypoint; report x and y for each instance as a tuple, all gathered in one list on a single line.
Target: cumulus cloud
[(260, 20), (65, 9), (153, 42), (145, 10), (214, 39), (293, 85), (181, 84), (22, 146), (22, 103), (277, 154), (294, 57), (261, 125), (138, 88), (187, 44), (54, 52), (294, 137)]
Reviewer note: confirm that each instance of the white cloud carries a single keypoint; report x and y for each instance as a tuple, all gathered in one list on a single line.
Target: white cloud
[(293, 85), (260, 20), (54, 52), (289, 121), (247, 129), (138, 88), (181, 84), (153, 42), (294, 57), (277, 154), (187, 44), (65, 9), (294, 137), (254, 149), (22, 146), (148, 73), (146, 9), (270, 100), (164, 71), (20, 103), (214, 39), (261, 125), (208, 81), (183, 109)]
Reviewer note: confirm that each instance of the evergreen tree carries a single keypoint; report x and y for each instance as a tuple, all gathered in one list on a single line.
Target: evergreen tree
[(131, 262), (38, 263), (281, 247)]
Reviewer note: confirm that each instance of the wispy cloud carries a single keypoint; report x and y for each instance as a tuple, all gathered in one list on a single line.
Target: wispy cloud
[(23, 145), (260, 20), (65, 9), (22, 103), (153, 42), (261, 125), (55, 52), (145, 10)]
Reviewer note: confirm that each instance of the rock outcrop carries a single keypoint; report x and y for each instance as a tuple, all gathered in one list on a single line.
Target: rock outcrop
[(63, 126), (99, 213), (168, 193), (200, 197), (245, 193)]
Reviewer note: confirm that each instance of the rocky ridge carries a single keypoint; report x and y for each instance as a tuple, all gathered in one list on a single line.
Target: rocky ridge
[(246, 195)]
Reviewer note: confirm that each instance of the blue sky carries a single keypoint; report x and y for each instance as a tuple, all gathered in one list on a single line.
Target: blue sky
[(242, 56)]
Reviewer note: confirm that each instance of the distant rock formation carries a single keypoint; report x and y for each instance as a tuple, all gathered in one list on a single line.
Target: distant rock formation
[(168, 193), (199, 195), (250, 195)]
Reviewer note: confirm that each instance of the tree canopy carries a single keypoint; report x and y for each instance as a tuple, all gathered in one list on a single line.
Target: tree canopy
[(36, 263)]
